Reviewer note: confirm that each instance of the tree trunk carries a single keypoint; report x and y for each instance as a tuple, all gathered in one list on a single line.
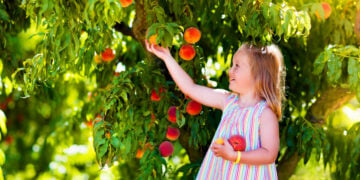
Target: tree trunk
[(194, 155), (357, 26), (286, 167), (139, 24), (329, 101)]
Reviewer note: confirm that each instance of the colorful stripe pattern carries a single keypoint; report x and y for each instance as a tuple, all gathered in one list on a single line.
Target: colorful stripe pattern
[(243, 121)]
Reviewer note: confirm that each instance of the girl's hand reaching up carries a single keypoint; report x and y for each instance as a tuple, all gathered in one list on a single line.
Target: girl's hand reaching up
[(202, 94), (225, 151), (160, 52)]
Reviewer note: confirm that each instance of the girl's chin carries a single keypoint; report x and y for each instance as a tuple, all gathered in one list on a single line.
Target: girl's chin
[(230, 87)]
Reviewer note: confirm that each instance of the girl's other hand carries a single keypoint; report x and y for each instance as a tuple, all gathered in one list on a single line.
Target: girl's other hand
[(158, 51), (225, 151)]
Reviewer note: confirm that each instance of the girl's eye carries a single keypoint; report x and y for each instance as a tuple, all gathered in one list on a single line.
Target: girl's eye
[(237, 65)]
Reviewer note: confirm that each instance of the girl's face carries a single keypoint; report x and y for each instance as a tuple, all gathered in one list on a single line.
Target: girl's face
[(240, 77)]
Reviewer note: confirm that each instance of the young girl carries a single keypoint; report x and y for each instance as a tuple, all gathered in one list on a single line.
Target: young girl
[(251, 109)]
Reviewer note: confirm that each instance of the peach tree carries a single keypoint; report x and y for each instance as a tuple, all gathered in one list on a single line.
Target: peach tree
[(70, 69)]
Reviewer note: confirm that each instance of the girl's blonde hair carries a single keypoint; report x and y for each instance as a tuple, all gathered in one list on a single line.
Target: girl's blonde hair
[(267, 67)]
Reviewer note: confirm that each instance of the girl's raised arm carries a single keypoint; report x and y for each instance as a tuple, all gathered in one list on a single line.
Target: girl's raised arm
[(207, 96)]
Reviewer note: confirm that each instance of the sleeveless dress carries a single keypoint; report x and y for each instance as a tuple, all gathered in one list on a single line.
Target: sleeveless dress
[(237, 121)]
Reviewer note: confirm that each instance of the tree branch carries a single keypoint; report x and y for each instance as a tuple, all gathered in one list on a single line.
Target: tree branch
[(330, 100), (124, 29), (194, 155)]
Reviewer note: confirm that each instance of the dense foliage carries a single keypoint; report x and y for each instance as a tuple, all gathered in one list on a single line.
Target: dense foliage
[(76, 84)]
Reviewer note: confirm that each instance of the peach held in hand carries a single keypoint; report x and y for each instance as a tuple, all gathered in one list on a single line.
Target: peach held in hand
[(237, 142), (219, 141)]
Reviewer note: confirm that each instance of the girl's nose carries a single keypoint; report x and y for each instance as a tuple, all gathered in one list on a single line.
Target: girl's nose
[(230, 70)]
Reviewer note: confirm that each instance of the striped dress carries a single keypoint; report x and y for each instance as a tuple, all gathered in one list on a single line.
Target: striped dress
[(237, 121)]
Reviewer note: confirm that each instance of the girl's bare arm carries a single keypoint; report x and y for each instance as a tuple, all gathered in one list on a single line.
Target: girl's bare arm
[(207, 96), (266, 154)]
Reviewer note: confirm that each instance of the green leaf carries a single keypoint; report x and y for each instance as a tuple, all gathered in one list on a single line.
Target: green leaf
[(1, 66), (3, 122), (334, 68), (181, 123), (146, 113), (115, 142), (4, 15), (168, 39), (152, 30), (291, 137), (358, 92), (8, 85), (307, 155), (99, 142), (98, 125), (307, 135), (103, 149), (177, 115), (353, 70), (46, 5), (124, 96), (2, 157), (319, 63), (98, 136), (127, 144), (348, 28), (160, 36)]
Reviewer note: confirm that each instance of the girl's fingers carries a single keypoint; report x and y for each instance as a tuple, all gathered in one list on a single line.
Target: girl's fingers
[(151, 48), (147, 45)]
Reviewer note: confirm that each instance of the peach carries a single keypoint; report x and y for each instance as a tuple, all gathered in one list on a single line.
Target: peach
[(126, 3), (97, 59), (153, 118), (187, 52), (327, 10), (166, 148), (152, 39), (108, 135), (98, 118), (156, 96), (89, 123), (9, 140), (107, 55), (140, 152), (219, 141), (172, 133), (193, 108), (192, 35), (148, 146), (172, 114), (89, 96), (237, 142)]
